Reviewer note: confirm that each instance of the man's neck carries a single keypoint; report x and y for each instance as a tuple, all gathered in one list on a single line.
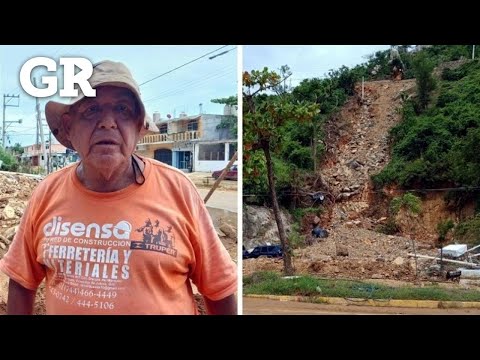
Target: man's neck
[(106, 180)]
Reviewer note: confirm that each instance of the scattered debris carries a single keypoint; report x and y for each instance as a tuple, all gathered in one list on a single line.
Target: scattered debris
[(465, 263)]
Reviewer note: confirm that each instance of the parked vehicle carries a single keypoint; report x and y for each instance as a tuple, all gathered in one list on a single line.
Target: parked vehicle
[(245, 254), (232, 174), (266, 250)]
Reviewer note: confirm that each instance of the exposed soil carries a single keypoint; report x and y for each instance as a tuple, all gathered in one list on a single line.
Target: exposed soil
[(358, 147)]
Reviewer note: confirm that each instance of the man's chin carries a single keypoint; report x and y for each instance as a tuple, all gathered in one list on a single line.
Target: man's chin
[(107, 160)]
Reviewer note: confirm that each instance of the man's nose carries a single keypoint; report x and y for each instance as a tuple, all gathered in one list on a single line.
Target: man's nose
[(107, 120)]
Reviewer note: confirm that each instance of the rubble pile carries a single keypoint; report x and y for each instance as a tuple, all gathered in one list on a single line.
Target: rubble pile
[(358, 137), (15, 191)]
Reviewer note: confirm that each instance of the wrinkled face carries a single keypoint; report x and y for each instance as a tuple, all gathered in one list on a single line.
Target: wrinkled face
[(104, 130)]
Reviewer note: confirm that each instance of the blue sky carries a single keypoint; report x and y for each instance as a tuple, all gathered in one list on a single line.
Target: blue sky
[(306, 61), (181, 90)]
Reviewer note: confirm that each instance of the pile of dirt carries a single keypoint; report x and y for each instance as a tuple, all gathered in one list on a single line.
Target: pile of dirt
[(351, 252), (360, 149), (357, 137), (15, 190)]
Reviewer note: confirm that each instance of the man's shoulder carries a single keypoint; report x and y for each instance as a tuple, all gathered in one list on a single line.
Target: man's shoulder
[(56, 178), (52, 184), (167, 170), (177, 179)]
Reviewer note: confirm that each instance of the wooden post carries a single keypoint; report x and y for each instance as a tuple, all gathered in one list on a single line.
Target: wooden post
[(220, 178)]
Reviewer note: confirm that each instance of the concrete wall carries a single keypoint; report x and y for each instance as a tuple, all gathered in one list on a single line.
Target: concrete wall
[(209, 166), (209, 128), (148, 150)]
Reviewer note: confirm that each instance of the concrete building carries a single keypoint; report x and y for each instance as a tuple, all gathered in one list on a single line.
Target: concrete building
[(59, 155), (191, 143)]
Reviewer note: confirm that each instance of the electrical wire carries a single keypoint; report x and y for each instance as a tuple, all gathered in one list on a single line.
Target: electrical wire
[(178, 67)]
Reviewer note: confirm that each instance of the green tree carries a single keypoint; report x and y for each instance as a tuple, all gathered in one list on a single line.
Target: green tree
[(231, 100), (423, 67), (411, 203), (8, 161), (329, 94), (464, 160), (18, 149), (263, 116), (229, 121), (443, 228)]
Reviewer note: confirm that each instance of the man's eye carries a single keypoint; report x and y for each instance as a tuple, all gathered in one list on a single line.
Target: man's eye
[(92, 109), (122, 108)]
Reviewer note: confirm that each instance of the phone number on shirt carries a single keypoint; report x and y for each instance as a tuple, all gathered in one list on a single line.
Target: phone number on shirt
[(88, 293), (83, 303)]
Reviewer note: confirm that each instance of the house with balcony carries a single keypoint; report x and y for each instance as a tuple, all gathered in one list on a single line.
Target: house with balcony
[(34, 155), (190, 143)]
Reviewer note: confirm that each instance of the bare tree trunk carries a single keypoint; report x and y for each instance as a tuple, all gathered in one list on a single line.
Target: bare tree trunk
[(287, 260), (314, 148)]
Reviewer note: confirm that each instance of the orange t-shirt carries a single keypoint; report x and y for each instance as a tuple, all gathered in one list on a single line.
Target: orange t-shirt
[(131, 251)]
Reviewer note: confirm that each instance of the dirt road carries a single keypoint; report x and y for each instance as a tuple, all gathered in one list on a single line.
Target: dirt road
[(221, 199), (253, 306)]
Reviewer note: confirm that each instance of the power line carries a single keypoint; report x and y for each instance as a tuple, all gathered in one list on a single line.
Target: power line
[(178, 67), (222, 53), (463, 188), (18, 131), (197, 85), (190, 83)]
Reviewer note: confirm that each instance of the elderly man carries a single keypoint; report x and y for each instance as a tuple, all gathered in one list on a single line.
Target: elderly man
[(115, 233)]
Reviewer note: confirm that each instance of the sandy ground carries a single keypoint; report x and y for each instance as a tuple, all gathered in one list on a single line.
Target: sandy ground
[(204, 180)]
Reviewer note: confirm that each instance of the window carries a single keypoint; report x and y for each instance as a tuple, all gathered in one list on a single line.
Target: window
[(163, 155), (163, 129), (192, 125), (211, 152), (231, 149)]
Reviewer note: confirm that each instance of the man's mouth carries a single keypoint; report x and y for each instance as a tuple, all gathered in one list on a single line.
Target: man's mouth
[(106, 142)]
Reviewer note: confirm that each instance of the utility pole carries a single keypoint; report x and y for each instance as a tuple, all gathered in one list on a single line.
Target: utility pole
[(39, 122), (473, 52), (38, 135), (50, 165), (5, 104)]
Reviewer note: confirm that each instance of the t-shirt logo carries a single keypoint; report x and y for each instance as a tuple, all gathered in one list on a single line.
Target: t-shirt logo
[(121, 230), (155, 238)]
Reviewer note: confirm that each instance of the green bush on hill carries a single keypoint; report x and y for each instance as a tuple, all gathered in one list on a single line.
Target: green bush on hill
[(439, 147)]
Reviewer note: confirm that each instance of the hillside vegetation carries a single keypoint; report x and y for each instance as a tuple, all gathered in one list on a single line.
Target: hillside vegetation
[(434, 146)]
